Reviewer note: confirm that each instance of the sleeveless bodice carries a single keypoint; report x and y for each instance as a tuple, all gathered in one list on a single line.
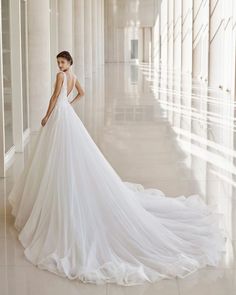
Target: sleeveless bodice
[(63, 92)]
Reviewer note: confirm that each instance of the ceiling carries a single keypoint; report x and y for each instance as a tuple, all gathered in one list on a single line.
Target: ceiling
[(132, 12)]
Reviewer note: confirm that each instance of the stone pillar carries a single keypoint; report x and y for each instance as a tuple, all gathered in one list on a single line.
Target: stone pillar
[(39, 60), (79, 39), (16, 75), (2, 119), (54, 15), (140, 45), (65, 26), (102, 31), (88, 38), (95, 29), (98, 31)]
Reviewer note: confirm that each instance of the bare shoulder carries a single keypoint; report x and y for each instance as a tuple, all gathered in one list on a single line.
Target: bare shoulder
[(60, 75)]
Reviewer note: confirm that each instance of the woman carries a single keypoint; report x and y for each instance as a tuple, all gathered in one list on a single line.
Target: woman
[(78, 219)]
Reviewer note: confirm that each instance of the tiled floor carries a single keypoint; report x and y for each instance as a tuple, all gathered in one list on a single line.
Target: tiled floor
[(158, 129)]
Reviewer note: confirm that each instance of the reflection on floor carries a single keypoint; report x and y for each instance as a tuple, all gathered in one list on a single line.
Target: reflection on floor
[(158, 129)]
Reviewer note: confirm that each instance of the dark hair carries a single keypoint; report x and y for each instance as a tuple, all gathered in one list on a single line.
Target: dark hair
[(66, 55)]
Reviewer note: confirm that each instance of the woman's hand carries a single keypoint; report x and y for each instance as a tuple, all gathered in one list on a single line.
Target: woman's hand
[(44, 121)]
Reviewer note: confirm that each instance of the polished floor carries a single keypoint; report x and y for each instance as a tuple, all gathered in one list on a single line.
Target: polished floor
[(159, 129)]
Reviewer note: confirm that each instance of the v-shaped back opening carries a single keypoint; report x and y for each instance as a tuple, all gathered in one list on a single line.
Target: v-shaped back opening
[(67, 95)]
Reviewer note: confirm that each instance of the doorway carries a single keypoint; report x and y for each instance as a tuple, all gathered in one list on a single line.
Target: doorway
[(134, 49)]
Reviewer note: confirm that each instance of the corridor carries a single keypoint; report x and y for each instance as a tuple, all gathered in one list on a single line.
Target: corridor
[(161, 130)]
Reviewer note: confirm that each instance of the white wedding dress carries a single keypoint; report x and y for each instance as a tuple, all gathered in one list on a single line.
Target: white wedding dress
[(78, 219)]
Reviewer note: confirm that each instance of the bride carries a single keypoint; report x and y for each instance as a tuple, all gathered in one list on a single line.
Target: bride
[(76, 218)]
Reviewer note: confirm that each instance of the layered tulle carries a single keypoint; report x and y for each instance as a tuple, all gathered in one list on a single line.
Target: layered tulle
[(78, 219)]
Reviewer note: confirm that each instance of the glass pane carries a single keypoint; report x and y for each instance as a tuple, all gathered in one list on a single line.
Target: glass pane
[(7, 75)]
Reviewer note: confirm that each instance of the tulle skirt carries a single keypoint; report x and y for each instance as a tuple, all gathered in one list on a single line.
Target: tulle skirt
[(78, 219)]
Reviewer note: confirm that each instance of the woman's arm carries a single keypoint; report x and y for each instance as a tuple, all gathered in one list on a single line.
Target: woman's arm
[(53, 99), (79, 89)]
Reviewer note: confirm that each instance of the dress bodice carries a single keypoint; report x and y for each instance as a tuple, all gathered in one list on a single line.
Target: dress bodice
[(64, 90)]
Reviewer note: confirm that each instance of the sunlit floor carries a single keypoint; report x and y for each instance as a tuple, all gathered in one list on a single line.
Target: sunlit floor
[(158, 129)]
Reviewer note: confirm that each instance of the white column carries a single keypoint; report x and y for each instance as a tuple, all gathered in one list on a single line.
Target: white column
[(88, 38), (147, 44), (65, 25), (126, 44), (16, 75), (54, 16), (102, 32), (99, 31), (95, 30), (79, 39), (233, 92), (140, 45), (39, 60), (2, 121)]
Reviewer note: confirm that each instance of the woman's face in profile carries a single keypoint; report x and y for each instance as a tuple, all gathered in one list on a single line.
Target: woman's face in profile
[(63, 63)]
